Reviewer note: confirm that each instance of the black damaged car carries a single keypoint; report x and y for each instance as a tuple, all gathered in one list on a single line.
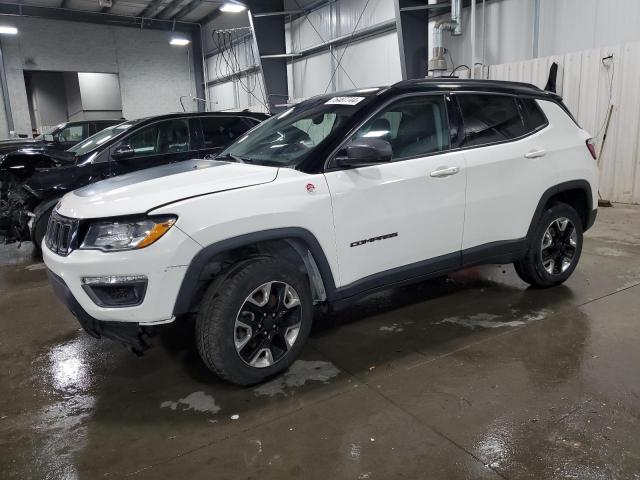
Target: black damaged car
[(25, 206), (23, 155)]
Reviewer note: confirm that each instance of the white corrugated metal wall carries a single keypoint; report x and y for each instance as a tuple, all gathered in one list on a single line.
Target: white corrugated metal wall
[(244, 90), (368, 62), (589, 85)]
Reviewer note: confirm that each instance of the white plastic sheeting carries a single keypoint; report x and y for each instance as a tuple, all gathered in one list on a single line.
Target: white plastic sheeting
[(589, 85)]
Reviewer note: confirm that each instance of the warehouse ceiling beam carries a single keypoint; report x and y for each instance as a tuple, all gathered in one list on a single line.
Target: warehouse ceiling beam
[(269, 42), (167, 9), (209, 17), (152, 9), (95, 17), (428, 6), (412, 23), (276, 14), (186, 9)]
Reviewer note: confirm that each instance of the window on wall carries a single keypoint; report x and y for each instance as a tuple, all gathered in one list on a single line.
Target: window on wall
[(490, 118), (413, 126), (171, 136)]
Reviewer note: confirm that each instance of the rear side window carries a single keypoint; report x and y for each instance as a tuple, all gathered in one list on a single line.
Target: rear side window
[(170, 136), (413, 126), (73, 133), (490, 119), (220, 131), (534, 119)]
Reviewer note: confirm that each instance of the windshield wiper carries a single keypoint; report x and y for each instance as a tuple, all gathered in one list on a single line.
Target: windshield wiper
[(234, 158)]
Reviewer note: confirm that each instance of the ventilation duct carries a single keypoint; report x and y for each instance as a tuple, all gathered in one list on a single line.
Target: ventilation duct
[(438, 63)]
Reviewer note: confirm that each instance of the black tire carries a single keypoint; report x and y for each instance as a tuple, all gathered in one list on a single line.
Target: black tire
[(221, 305), (39, 231), (531, 268)]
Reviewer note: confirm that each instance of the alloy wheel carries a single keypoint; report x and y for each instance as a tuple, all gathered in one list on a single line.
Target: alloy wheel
[(267, 324), (559, 244)]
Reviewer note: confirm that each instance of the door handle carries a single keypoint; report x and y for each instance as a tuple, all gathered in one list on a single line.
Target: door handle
[(535, 154), (444, 172)]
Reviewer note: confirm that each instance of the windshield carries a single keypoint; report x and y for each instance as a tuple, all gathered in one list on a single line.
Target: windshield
[(99, 138), (287, 139)]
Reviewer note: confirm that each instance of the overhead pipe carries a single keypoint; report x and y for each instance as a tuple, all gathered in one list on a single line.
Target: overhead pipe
[(438, 63)]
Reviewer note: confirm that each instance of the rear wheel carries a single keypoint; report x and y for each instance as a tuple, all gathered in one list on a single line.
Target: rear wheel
[(555, 248), (253, 324)]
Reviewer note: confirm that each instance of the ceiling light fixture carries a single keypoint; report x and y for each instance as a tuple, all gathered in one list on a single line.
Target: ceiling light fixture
[(232, 7), (5, 30), (180, 42)]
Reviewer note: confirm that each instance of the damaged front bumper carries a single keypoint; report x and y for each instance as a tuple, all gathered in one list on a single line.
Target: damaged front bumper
[(131, 335)]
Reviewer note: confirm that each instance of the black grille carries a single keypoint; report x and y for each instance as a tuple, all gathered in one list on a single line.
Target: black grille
[(61, 234)]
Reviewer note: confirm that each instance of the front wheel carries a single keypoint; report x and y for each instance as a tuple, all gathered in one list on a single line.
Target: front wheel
[(39, 231), (555, 248), (253, 324)]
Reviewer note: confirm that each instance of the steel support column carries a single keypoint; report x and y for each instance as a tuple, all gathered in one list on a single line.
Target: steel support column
[(5, 93), (198, 67), (269, 39), (412, 21)]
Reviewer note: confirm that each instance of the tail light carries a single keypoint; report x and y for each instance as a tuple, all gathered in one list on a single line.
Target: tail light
[(591, 145)]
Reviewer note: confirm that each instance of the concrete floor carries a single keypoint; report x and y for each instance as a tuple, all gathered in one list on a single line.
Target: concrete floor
[(470, 377)]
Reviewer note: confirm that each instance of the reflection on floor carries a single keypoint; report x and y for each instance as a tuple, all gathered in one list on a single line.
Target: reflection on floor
[(472, 376)]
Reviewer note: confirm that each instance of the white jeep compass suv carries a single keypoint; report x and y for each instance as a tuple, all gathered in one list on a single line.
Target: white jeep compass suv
[(333, 198)]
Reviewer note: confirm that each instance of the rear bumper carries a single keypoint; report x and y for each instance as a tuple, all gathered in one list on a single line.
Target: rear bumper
[(128, 334)]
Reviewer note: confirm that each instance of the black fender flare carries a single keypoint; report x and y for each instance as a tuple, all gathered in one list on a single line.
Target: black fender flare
[(41, 209), (561, 187), (191, 280)]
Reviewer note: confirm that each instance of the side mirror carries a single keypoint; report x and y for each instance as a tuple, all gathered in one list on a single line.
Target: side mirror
[(49, 138), (365, 151), (123, 151)]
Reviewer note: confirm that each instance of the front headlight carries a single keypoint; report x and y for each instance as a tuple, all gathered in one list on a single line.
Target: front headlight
[(120, 235)]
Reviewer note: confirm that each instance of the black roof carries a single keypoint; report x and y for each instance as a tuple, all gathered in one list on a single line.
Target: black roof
[(446, 84), (100, 120), (457, 84), (256, 115)]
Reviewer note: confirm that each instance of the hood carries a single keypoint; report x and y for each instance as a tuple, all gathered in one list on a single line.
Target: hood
[(56, 181), (7, 146), (145, 190)]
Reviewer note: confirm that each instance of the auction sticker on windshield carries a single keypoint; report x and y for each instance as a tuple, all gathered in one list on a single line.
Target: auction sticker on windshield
[(345, 101)]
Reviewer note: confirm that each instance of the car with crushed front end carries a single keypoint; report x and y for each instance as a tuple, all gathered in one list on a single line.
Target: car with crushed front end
[(337, 197), (20, 158), (57, 139), (25, 205)]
